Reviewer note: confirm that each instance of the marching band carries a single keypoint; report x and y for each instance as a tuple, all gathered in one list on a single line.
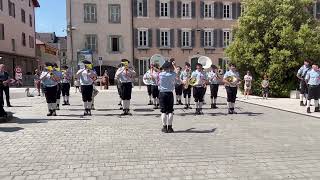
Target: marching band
[(162, 78)]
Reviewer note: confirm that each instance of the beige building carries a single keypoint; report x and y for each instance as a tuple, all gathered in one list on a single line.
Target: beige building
[(46, 53), (102, 26), (17, 34), (183, 29)]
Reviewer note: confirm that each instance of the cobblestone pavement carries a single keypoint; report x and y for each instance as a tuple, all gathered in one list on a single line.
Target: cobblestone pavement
[(258, 143)]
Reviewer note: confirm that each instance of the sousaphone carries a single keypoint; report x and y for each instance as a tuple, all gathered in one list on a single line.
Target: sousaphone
[(205, 61), (157, 60)]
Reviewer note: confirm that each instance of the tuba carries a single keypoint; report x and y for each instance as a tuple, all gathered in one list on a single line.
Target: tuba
[(205, 61)]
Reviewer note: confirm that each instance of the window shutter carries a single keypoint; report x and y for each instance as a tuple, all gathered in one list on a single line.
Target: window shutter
[(136, 40), (157, 8), (202, 38), (121, 44), (201, 9), (172, 38), (134, 8), (158, 37), (234, 10), (150, 37), (172, 9), (220, 38), (238, 10), (193, 9), (216, 11), (108, 44), (193, 36), (179, 43), (318, 10), (179, 9), (145, 8), (215, 38)]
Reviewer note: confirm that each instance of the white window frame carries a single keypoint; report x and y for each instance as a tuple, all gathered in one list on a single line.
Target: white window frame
[(208, 41), (90, 16), (146, 37), (167, 9), (165, 44), (188, 10), (225, 11), (140, 3), (226, 40), (115, 14), (90, 44), (205, 14), (186, 38)]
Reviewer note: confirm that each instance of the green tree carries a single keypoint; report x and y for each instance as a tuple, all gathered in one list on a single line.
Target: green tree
[(274, 37)]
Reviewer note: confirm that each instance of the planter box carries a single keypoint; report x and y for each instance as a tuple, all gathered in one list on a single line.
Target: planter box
[(294, 94)]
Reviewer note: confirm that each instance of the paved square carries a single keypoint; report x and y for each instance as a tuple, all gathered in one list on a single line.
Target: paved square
[(258, 143)]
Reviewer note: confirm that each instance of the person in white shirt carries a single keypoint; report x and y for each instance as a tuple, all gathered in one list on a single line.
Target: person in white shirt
[(231, 80), (214, 81), (125, 75), (199, 87), (86, 76), (247, 84)]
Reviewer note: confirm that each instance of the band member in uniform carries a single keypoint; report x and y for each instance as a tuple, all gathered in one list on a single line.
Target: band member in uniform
[(231, 80), (247, 84), (198, 89), (50, 82), (65, 85), (126, 76), (154, 75), (148, 78), (86, 76), (214, 81), (302, 72), (167, 80), (185, 77), (178, 86), (313, 80), (58, 73), (119, 88)]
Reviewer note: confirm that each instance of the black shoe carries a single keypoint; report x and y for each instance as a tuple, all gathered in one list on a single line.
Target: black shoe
[(308, 110), (50, 113), (64, 103), (180, 103), (230, 111), (58, 108), (301, 103), (120, 104), (164, 129), (197, 111), (212, 106), (215, 106), (9, 105), (89, 112), (170, 130), (85, 113), (150, 103), (177, 103), (68, 103), (186, 106), (121, 108), (234, 112), (92, 107), (189, 107), (317, 109), (155, 107), (54, 113), (200, 112)]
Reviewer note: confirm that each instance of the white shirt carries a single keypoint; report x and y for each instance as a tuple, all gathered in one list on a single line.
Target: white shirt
[(86, 77)]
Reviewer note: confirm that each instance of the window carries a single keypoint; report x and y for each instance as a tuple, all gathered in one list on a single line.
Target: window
[(208, 38), (140, 6), (226, 38), (164, 9), (317, 10), (1, 5), (13, 43), (114, 13), (31, 42), (208, 10), (227, 11), (12, 9), (186, 10), (1, 31), (164, 38), (23, 16), (186, 38), (91, 42), (90, 13), (30, 20), (23, 38), (115, 44), (143, 38)]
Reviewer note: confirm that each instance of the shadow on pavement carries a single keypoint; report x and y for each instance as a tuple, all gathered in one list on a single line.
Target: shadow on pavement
[(14, 106), (250, 113), (143, 110), (36, 121), (192, 130), (10, 129)]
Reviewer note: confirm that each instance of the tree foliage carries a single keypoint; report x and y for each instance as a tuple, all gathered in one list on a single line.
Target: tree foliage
[(273, 37)]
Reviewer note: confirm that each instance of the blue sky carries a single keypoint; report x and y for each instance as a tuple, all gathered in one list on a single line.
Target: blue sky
[(51, 16)]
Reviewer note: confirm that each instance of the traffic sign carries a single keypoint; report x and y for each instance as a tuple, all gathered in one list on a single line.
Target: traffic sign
[(100, 61)]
